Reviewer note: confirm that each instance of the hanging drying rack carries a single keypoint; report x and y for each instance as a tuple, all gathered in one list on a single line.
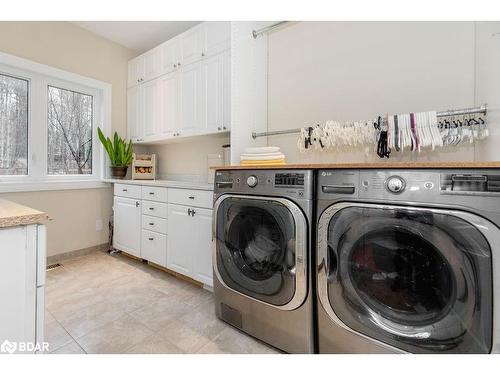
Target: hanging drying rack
[(451, 112)]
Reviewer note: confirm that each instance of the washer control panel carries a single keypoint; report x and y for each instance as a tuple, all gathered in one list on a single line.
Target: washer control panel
[(282, 182)]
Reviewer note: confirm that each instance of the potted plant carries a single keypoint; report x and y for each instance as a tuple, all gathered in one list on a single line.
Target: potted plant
[(119, 152)]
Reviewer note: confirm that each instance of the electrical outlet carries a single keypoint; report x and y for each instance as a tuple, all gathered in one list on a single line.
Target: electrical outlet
[(98, 225)]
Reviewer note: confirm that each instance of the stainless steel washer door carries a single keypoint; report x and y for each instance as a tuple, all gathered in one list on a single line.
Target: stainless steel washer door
[(416, 279), (260, 249)]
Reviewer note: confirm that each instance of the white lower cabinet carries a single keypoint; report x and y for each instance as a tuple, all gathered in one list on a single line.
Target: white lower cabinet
[(190, 242), (22, 278), (127, 225), (181, 229), (202, 247), (176, 235), (153, 247)]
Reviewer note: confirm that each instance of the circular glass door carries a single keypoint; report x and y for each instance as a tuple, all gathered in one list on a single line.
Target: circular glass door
[(417, 280), (255, 248)]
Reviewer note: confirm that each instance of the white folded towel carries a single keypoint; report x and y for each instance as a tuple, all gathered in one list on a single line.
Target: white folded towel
[(277, 154), (273, 156), (261, 150)]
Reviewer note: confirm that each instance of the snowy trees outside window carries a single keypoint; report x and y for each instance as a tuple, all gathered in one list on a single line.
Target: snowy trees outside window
[(69, 147), (13, 125)]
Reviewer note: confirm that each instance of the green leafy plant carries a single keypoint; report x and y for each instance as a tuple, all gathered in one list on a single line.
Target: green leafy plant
[(120, 153)]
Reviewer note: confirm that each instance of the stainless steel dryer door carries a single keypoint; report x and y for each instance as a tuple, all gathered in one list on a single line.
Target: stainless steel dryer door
[(260, 249), (416, 279)]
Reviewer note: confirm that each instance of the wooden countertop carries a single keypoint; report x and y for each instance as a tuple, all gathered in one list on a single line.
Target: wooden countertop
[(405, 165), (13, 214)]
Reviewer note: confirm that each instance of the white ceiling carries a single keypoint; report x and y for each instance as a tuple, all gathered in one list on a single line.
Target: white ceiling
[(138, 36)]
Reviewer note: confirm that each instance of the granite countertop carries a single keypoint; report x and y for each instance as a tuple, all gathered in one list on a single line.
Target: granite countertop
[(386, 165), (13, 214), (165, 183)]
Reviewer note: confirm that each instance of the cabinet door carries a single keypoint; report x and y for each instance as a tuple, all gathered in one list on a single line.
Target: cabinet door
[(217, 37), (127, 225), (192, 42), (170, 55), (152, 64), (134, 123), (154, 247), (169, 104), (180, 240), (212, 97), (190, 96), (202, 249), (18, 283), (226, 91), (150, 108), (135, 71)]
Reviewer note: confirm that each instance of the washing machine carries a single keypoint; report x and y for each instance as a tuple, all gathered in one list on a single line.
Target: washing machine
[(262, 255), (408, 261)]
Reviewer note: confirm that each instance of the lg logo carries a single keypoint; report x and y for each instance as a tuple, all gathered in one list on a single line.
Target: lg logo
[(11, 347)]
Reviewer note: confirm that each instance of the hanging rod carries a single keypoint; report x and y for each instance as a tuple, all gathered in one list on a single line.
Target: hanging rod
[(451, 112), (256, 33)]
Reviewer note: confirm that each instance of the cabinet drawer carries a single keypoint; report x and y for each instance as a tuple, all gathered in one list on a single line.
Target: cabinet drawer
[(154, 247), (186, 197), (154, 193), (155, 224), (128, 191), (154, 209)]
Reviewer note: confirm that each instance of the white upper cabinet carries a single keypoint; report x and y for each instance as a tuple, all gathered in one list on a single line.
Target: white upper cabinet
[(190, 96), (213, 87), (182, 87), (150, 107), (217, 37), (226, 90), (152, 64), (135, 71), (192, 45), (169, 104), (134, 121), (170, 55)]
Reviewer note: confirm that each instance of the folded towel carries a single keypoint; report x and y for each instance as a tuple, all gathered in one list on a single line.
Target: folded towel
[(261, 150), (262, 163), (273, 156)]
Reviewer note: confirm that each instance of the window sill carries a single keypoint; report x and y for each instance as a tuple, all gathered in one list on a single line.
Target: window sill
[(17, 186)]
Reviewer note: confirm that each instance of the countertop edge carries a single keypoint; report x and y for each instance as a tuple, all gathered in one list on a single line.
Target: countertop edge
[(164, 183), (13, 214), (417, 165)]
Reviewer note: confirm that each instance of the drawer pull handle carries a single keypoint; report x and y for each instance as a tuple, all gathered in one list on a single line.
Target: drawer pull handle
[(151, 223), (151, 238), (191, 197), (137, 204), (124, 190), (151, 208), (151, 193)]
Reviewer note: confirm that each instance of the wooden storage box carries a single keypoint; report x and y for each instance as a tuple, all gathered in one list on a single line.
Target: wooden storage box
[(144, 167)]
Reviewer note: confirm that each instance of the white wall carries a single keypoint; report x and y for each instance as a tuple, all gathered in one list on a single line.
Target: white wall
[(248, 86), (187, 159), (319, 71), (66, 46)]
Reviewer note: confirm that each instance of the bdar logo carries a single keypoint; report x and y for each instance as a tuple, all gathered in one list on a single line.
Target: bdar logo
[(8, 347)]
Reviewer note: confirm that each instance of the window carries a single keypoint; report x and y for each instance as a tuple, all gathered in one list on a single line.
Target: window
[(13, 126), (69, 132), (48, 127)]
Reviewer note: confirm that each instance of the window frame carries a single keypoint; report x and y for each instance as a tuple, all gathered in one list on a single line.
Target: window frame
[(40, 77)]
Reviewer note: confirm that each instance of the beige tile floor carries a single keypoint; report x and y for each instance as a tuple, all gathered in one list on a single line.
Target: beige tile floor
[(113, 304)]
